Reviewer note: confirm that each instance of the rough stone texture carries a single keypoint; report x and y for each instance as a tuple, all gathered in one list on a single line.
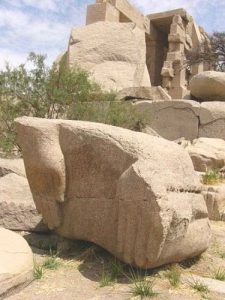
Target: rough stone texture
[(208, 86), (12, 166), (16, 261), (184, 118), (111, 186), (114, 11), (212, 120), (215, 200), (169, 35), (171, 119), (17, 209), (149, 93), (115, 57), (206, 153)]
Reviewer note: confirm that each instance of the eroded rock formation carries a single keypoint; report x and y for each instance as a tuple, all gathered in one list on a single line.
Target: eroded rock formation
[(119, 41), (184, 118), (133, 194)]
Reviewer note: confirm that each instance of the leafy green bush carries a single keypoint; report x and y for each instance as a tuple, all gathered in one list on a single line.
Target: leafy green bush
[(39, 91)]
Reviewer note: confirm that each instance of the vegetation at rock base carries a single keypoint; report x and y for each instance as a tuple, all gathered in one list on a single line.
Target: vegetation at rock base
[(212, 177), (142, 286), (106, 279), (212, 53), (198, 286), (173, 275), (52, 262), (219, 274), (38, 271), (34, 89)]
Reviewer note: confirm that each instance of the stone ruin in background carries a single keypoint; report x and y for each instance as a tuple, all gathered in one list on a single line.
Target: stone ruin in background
[(169, 36)]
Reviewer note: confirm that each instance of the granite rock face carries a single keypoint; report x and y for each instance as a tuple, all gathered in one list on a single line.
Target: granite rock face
[(184, 118), (208, 86), (17, 208), (16, 261), (113, 53), (206, 153), (137, 196)]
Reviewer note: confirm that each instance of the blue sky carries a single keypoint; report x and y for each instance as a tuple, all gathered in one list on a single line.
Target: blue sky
[(44, 26)]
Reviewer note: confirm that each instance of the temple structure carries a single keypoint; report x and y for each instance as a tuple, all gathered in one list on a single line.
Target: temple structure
[(169, 37)]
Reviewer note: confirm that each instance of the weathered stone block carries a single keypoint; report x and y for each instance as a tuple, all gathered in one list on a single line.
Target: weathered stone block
[(136, 195)]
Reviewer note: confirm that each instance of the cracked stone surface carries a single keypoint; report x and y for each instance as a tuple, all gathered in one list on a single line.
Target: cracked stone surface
[(110, 186), (184, 118)]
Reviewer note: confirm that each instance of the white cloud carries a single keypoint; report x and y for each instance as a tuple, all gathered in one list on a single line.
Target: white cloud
[(43, 26), (12, 57), (41, 4), (151, 6)]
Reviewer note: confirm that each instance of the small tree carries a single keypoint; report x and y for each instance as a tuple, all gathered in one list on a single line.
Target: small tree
[(40, 91), (212, 53)]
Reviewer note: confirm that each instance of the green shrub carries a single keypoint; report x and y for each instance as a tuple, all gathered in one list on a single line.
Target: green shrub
[(173, 275), (212, 177), (40, 91), (198, 286), (106, 279), (219, 274)]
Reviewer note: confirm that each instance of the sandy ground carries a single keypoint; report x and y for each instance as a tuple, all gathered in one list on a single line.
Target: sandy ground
[(79, 275)]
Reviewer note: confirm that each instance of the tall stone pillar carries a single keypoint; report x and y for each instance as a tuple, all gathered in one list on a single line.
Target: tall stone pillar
[(173, 71)]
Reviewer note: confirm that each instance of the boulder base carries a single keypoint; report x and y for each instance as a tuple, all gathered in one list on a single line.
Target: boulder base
[(136, 195), (16, 261)]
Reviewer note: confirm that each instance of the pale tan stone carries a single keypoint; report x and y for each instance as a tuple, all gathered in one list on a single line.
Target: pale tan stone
[(102, 12), (207, 154), (17, 209), (168, 37), (16, 261), (171, 119), (114, 11), (12, 166), (208, 86), (115, 57), (215, 200), (150, 93), (136, 195), (212, 120)]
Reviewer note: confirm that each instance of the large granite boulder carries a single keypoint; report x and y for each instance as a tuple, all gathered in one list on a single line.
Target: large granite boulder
[(113, 53), (16, 261), (206, 153), (17, 208), (208, 86), (136, 195)]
